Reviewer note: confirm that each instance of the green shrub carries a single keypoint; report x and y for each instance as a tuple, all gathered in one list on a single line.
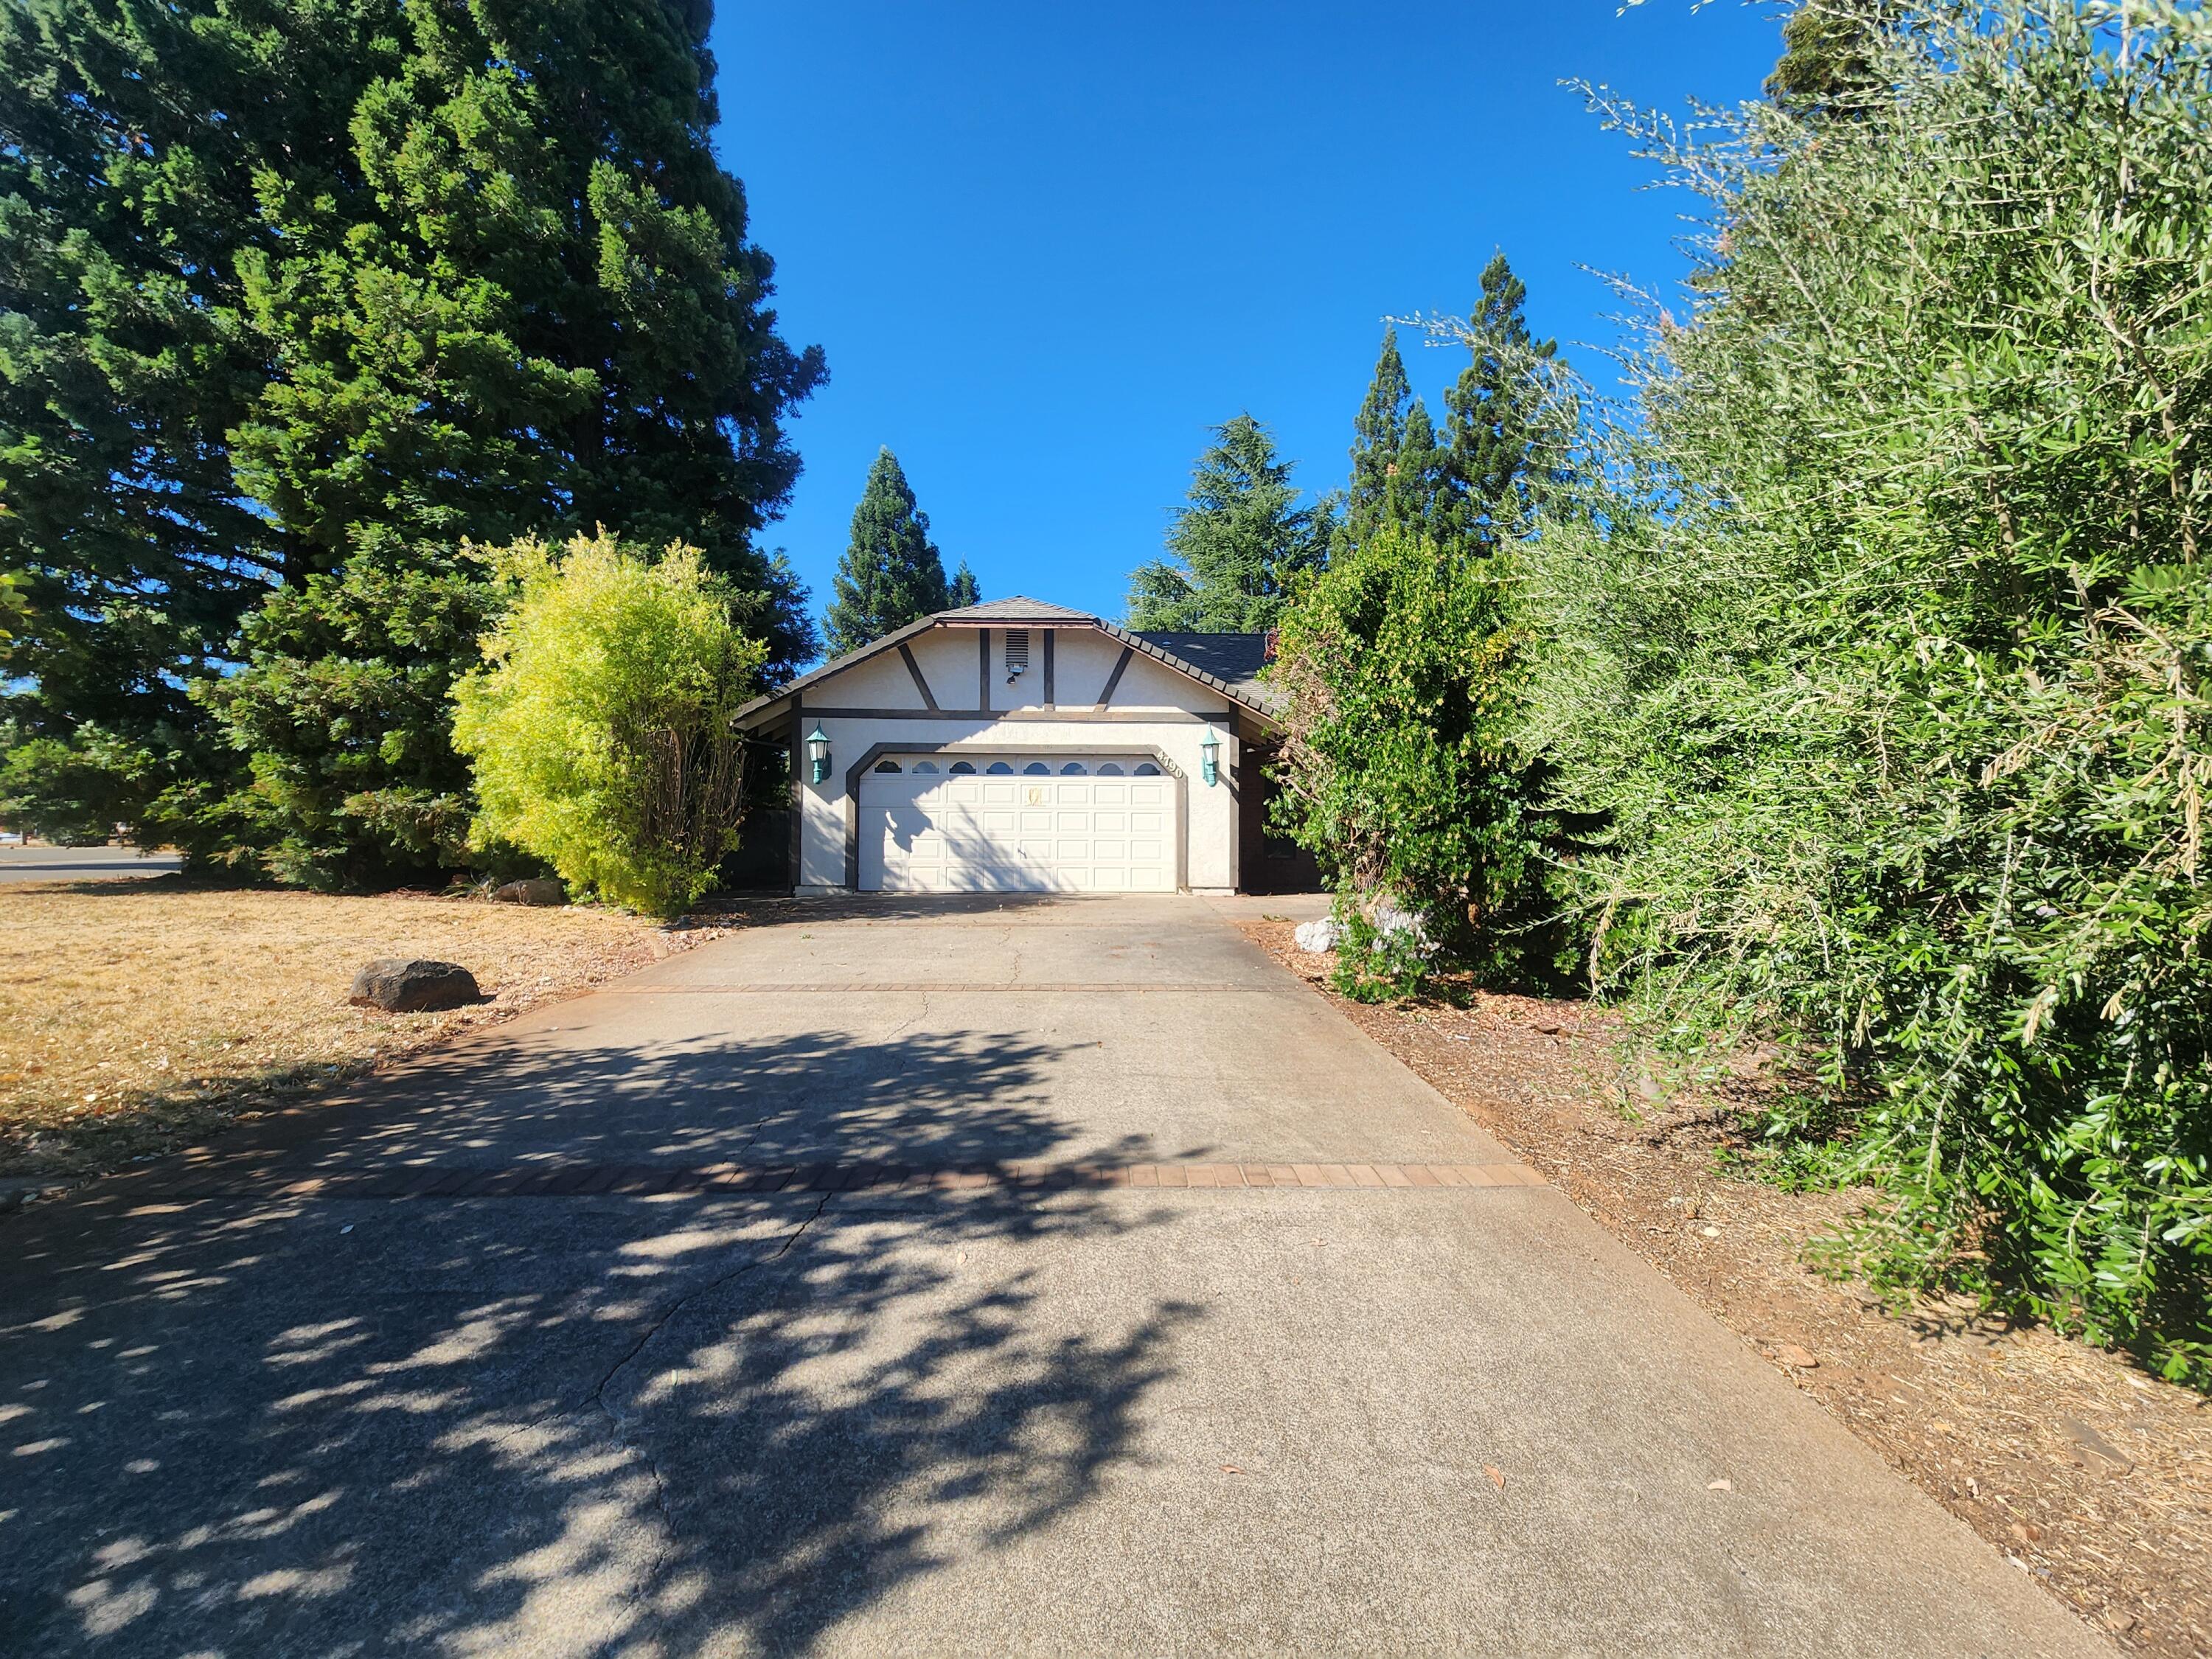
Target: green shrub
[(70, 791), (341, 710), (1401, 770), (600, 732), (1887, 653)]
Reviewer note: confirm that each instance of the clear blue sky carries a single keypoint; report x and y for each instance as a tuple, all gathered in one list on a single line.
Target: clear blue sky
[(1045, 245)]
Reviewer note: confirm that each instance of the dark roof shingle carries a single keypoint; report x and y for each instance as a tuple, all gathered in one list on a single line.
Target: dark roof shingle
[(1236, 657), (1015, 609)]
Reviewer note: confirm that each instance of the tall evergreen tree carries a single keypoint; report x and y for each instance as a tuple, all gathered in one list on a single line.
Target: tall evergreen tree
[(964, 589), (891, 574), (1400, 471), (1829, 63), (1421, 497), (346, 285), (1402, 669), (1378, 434), (1476, 483), (132, 142), (1506, 444), (1239, 539)]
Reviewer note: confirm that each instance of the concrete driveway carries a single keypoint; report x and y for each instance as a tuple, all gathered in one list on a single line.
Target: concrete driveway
[(829, 1290)]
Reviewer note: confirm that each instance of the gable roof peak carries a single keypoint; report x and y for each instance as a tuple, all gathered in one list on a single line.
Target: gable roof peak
[(1228, 663), (1016, 608)]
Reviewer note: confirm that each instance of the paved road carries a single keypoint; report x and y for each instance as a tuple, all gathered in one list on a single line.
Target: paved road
[(83, 863), (939, 1413)]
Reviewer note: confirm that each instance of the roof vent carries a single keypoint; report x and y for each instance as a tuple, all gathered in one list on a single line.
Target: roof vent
[(1017, 653)]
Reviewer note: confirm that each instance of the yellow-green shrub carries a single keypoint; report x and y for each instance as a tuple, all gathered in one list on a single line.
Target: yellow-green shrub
[(599, 731)]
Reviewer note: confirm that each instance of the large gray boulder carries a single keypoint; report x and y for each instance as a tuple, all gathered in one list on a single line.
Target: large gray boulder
[(399, 986), (535, 891)]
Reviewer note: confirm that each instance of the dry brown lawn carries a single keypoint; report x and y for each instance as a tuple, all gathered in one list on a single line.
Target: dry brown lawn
[(136, 1016)]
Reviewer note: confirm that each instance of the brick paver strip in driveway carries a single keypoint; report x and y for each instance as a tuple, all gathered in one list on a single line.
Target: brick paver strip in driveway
[(586, 1180), (958, 1277)]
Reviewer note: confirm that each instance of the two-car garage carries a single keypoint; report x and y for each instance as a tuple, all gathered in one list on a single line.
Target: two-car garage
[(949, 823)]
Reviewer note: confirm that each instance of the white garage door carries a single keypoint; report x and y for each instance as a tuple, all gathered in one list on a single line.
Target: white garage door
[(942, 823)]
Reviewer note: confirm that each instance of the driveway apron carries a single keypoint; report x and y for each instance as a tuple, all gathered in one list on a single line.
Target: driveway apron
[(952, 1276)]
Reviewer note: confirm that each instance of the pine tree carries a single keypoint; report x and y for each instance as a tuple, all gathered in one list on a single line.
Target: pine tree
[(891, 574), (964, 589), (1504, 444), (1829, 62), (381, 281), (1421, 497), (1378, 434), (1402, 671), (131, 138), (1400, 473), (1236, 546)]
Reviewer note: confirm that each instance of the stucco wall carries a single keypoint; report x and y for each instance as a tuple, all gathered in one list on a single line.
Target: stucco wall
[(1154, 709)]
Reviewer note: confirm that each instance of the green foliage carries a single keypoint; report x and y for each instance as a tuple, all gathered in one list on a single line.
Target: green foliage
[(1236, 545), (891, 574), (1403, 770), (962, 590), (1506, 438), (71, 791), (1380, 964), (287, 286), (1401, 765), (1886, 653), (1400, 471), (129, 139), (1831, 59), (14, 609), (1506, 424), (1378, 431), (342, 713), (601, 733)]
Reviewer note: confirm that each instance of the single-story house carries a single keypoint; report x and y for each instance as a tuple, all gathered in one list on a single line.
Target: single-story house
[(1020, 746)]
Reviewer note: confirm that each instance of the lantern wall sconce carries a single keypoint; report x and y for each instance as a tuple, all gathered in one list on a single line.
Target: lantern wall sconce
[(818, 754), (1210, 756)]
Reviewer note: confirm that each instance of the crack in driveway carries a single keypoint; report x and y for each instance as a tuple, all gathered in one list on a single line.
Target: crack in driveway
[(621, 1422)]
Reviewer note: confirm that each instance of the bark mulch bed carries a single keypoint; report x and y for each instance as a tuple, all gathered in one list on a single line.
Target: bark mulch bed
[(2085, 1471)]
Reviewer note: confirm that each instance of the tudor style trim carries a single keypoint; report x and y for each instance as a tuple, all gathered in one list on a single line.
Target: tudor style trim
[(921, 684), (1214, 680), (983, 618), (1114, 679), (798, 792)]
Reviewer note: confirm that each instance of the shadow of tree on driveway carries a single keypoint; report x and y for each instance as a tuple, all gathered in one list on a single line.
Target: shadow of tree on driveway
[(560, 1425), (927, 1099)]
